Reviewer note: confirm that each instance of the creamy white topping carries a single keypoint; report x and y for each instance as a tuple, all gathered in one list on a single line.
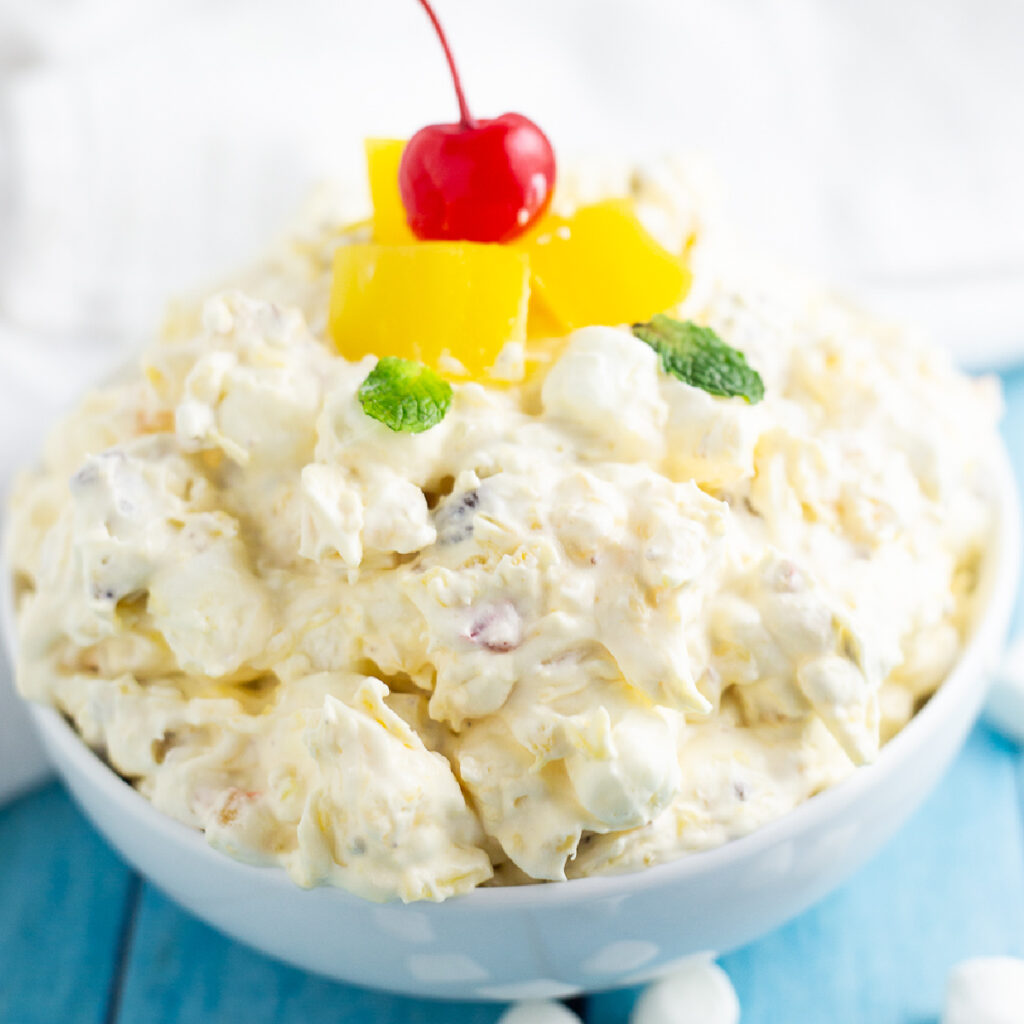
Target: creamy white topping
[(585, 624)]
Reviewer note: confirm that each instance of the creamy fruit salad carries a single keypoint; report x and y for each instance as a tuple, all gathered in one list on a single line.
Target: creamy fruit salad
[(418, 566)]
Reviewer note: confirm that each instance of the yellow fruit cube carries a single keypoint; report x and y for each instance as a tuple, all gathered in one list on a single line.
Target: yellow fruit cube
[(601, 266), (426, 301), (541, 323), (382, 159)]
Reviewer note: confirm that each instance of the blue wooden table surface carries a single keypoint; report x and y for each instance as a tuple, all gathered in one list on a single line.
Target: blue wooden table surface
[(84, 941)]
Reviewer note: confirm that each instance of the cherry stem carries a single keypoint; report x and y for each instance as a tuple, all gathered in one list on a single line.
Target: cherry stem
[(464, 114)]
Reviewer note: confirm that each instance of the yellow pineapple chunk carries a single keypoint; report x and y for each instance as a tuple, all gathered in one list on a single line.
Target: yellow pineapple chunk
[(428, 301), (601, 266), (541, 323), (382, 159)]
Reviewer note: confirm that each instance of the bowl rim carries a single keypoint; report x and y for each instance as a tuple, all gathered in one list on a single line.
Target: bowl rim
[(996, 595)]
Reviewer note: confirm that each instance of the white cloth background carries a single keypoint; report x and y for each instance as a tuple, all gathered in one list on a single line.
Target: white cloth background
[(146, 145), (877, 144)]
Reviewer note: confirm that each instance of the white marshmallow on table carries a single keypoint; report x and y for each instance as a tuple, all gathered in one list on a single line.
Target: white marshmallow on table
[(699, 992), (986, 990), (1005, 707), (538, 1011)]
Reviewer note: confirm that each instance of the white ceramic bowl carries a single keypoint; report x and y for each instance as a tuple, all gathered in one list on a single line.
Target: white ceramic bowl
[(563, 938)]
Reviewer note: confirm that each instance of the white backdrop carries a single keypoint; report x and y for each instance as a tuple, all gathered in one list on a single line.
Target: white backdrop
[(876, 144)]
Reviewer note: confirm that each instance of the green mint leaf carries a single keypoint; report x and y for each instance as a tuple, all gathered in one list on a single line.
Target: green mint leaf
[(698, 356), (405, 396)]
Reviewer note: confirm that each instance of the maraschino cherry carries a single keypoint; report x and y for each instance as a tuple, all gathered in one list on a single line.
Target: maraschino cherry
[(481, 181)]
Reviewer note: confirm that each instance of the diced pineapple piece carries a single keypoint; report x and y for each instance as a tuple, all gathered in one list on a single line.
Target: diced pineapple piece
[(463, 300), (541, 323), (601, 266), (382, 159)]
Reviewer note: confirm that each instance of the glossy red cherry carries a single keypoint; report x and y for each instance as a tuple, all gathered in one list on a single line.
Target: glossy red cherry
[(482, 181)]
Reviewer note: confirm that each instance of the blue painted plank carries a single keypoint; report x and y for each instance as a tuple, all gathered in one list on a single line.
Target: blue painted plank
[(1020, 798), (950, 885), (1013, 433), (179, 971), (63, 897)]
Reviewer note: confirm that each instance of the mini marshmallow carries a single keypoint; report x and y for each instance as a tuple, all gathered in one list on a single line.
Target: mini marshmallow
[(985, 990), (538, 1011), (699, 992)]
